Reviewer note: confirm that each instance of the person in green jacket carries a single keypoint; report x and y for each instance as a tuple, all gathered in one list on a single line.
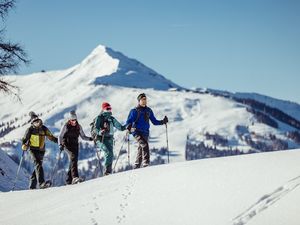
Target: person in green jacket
[(104, 128)]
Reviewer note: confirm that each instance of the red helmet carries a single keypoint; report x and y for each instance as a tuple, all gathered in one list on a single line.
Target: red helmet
[(106, 106)]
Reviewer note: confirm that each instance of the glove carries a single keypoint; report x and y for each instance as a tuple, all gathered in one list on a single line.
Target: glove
[(24, 147), (130, 129), (61, 147), (103, 131), (91, 139), (165, 120)]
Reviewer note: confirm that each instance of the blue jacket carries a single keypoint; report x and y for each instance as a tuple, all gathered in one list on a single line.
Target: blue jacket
[(139, 118)]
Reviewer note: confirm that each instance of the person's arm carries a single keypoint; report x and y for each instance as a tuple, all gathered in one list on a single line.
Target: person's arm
[(62, 132), (153, 119), (50, 136), (131, 118), (118, 125), (98, 123), (26, 137), (82, 134)]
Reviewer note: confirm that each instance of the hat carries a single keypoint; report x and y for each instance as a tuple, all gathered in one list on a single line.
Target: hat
[(106, 106), (72, 115), (142, 95), (33, 116)]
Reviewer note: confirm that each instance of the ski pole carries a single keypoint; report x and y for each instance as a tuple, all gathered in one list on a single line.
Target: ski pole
[(55, 167), (167, 143), (128, 139), (19, 167), (99, 162), (124, 139), (99, 158)]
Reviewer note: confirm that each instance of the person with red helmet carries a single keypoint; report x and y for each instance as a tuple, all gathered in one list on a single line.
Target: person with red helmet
[(104, 130)]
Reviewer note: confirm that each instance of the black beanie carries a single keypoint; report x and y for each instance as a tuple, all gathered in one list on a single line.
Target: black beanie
[(33, 116), (142, 95)]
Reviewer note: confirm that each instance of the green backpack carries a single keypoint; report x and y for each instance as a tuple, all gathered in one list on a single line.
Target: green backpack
[(93, 128)]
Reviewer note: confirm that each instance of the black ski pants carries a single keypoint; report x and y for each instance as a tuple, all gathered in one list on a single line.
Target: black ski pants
[(72, 151), (38, 172)]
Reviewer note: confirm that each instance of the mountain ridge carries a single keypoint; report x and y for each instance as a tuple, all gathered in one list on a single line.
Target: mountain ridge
[(202, 123)]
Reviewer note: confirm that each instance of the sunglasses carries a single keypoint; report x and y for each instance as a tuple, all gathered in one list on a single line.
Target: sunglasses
[(37, 123)]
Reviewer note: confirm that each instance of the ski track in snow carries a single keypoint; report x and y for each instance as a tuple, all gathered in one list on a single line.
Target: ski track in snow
[(266, 201), (125, 197), (94, 208)]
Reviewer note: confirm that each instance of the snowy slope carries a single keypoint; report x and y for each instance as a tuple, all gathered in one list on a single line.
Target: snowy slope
[(255, 189), (8, 171), (189, 113), (290, 108), (106, 75)]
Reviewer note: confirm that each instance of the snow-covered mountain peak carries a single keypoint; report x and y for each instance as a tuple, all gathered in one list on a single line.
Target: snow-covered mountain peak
[(106, 66), (97, 64)]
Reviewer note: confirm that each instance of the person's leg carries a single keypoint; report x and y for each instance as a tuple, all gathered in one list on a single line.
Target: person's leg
[(33, 181), (73, 160), (69, 175), (109, 143), (38, 166), (107, 148), (145, 151), (143, 154)]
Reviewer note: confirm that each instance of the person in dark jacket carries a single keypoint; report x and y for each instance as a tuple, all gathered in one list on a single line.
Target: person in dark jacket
[(68, 138), (138, 123), (34, 139), (104, 129)]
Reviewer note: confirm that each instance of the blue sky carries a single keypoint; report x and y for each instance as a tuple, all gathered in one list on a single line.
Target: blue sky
[(234, 45)]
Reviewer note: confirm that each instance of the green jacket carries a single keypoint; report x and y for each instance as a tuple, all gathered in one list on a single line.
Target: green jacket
[(106, 117)]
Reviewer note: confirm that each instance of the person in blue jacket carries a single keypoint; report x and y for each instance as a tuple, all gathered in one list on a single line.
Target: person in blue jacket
[(138, 123)]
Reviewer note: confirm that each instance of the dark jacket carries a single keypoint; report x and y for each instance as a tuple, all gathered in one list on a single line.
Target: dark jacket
[(69, 134), (36, 137)]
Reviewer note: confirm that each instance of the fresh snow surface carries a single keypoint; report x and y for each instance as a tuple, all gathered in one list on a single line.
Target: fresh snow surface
[(256, 189)]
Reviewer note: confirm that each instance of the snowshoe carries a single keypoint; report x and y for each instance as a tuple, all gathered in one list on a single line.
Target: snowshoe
[(77, 180), (46, 184)]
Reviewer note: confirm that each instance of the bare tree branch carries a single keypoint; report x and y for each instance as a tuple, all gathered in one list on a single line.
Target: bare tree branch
[(5, 6), (12, 54), (10, 89)]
